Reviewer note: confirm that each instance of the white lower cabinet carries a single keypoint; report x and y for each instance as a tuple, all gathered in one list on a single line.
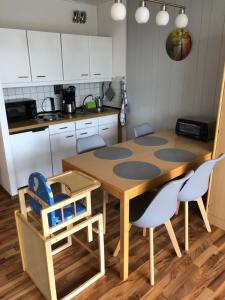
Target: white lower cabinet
[(82, 133), (63, 145), (109, 133), (31, 153)]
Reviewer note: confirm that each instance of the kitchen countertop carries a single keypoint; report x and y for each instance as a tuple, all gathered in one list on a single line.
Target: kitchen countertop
[(15, 127)]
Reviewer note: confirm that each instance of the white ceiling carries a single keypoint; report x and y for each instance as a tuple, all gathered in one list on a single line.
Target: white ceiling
[(94, 2)]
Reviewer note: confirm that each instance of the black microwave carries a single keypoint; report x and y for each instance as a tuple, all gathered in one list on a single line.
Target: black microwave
[(19, 110), (197, 128)]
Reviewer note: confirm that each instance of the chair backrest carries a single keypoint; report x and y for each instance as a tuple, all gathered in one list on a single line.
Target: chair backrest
[(90, 143), (142, 129), (198, 184), (38, 184), (164, 204)]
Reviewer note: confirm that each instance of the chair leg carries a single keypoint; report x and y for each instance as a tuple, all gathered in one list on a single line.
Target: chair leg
[(186, 226), (203, 213), (173, 238), (117, 250), (151, 257), (178, 207), (105, 201)]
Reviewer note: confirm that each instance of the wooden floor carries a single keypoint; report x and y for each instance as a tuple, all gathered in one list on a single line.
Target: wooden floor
[(198, 275)]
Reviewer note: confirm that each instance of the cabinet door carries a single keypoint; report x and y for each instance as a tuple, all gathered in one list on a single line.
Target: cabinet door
[(31, 153), (45, 56), (14, 58), (109, 133), (100, 57), (82, 133), (63, 145), (75, 55)]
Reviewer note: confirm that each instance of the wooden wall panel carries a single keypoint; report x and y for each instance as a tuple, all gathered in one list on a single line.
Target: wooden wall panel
[(161, 90)]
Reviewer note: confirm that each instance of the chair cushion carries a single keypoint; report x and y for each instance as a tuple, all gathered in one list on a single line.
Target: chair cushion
[(68, 210)]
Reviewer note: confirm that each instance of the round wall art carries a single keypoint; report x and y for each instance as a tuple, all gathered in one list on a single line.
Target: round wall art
[(178, 44)]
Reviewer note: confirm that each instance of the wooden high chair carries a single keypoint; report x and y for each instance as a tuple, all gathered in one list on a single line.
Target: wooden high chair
[(50, 219)]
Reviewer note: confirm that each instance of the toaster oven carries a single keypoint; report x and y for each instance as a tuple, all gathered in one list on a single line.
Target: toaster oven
[(197, 128)]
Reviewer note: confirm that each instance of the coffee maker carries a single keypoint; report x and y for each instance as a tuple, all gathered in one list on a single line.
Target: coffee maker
[(69, 100)]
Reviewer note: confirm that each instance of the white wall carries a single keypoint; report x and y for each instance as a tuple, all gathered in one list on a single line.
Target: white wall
[(47, 15), (161, 90)]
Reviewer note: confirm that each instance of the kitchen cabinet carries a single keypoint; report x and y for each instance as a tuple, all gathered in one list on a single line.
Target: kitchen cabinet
[(100, 57), (31, 153), (14, 57), (45, 56), (75, 55), (108, 129), (86, 132), (62, 145)]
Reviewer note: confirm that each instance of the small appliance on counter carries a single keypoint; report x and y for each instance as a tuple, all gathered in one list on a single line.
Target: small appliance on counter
[(69, 100), (196, 127), (20, 109)]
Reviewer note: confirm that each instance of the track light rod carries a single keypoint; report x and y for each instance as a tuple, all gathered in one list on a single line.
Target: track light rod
[(166, 3)]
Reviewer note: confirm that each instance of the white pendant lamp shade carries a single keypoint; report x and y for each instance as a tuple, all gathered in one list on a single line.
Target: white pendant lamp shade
[(118, 11), (181, 20), (162, 17), (142, 14)]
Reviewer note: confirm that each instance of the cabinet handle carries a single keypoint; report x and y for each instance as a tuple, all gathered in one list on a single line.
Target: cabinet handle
[(83, 133), (69, 136), (105, 128), (97, 74), (88, 123), (20, 77), (41, 76), (84, 74), (63, 127)]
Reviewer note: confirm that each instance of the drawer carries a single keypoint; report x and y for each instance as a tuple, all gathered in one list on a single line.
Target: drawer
[(82, 124), (63, 127), (82, 133), (108, 119)]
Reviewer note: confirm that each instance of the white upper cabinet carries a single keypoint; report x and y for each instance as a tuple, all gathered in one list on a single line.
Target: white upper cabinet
[(100, 57), (75, 53), (45, 56), (14, 58)]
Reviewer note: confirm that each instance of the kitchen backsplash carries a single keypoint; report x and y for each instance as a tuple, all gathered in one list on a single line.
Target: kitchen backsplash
[(39, 93)]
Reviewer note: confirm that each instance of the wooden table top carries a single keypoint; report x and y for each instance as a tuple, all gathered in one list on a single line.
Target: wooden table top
[(102, 169)]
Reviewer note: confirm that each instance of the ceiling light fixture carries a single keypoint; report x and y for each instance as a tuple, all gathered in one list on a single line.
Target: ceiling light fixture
[(118, 11), (142, 14)]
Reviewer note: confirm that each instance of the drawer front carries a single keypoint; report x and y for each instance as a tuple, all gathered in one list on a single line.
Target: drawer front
[(82, 124), (82, 133), (63, 127), (112, 119)]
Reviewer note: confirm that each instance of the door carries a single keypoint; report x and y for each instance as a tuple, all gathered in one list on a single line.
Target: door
[(100, 57), (31, 153), (14, 58), (109, 133), (63, 145), (75, 55), (45, 56)]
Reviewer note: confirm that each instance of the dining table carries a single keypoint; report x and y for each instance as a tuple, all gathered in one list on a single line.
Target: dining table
[(128, 169)]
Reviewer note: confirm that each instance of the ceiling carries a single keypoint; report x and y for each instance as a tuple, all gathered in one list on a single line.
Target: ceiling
[(94, 2)]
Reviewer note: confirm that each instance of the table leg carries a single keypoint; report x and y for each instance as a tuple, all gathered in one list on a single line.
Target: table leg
[(124, 237)]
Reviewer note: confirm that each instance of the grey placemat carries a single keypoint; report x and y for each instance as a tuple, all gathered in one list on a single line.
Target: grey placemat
[(175, 155), (136, 170), (150, 141), (113, 153)]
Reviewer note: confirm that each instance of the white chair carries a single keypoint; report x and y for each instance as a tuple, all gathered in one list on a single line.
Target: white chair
[(143, 129)]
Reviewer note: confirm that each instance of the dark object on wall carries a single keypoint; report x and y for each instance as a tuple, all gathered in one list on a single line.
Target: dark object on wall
[(196, 127), (79, 17), (178, 44)]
